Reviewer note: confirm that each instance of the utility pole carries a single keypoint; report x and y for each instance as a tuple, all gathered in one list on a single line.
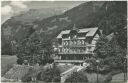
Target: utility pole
[(125, 68), (106, 14), (97, 67)]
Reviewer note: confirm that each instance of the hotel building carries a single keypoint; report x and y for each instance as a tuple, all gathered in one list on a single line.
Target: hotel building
[(76, 45)]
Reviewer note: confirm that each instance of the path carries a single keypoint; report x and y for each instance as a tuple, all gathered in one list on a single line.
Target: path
[(69, 72)]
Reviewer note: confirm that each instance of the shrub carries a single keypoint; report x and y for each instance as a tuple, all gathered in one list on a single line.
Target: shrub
[(77, 78), (50, 75), (34, 50), (19, 61), (110, 53), (6, 69), (26, 78), (108, 78)]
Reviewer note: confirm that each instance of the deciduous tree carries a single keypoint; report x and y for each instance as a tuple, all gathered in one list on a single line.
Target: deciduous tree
[(77, 77), (110, 53), (34, 50)]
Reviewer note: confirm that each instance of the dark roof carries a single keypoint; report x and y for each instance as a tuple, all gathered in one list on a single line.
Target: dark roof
[(110, 36), (90, 31), (17, 72)]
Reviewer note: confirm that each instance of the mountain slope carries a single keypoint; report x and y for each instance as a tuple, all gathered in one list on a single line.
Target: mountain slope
[(108, 16), (39, 14)]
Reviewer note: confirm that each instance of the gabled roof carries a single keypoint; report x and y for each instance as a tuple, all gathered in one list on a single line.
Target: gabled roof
[(17, 72), (110, 36), (90, 31), (63, 32)]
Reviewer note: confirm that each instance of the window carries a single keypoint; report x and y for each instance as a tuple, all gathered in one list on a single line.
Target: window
[(78, 42), (82, 34), (71, 42), (88, 48), (60, 41), (93, 42), (63, 43), (82, 42), (66, 43), (75, 43), (74, 36), (62, 49), (69, 37), (65, 36), (66, 50)]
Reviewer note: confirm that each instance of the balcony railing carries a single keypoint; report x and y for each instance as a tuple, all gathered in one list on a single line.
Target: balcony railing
[(74, 38), (78, 45), (69, 61), (89, 52), (74, 46)]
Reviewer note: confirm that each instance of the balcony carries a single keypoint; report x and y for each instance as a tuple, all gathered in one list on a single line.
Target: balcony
[(74, 45), (69, 61), (88, 52), (74, 38), (88, 49), (78, 45)]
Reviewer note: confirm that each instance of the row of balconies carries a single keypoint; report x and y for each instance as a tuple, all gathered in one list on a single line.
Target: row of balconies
[(75, 46), (74, 51), (75, 42), (69, 38), (89, 52)]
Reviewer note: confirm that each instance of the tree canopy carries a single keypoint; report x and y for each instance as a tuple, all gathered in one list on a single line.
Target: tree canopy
[(51, 75), (110, 53), (34, 50), (77, 77)]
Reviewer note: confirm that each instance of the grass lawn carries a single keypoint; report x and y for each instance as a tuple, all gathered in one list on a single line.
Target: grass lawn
[(119, 78), (7, 62), (92, 77)]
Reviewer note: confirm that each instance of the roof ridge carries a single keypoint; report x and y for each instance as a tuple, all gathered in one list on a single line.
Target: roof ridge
[(90, 31), (82, 28)]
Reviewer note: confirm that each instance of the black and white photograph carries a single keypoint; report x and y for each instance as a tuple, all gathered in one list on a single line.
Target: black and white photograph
[(65, 41)]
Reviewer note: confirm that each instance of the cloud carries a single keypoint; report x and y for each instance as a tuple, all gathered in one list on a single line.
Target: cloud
[(18, 7), (13, 8), (6, 13), (6, 10), (18, 4)]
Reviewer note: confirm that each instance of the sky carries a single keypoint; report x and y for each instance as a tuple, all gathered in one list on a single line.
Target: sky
[(11, 8)]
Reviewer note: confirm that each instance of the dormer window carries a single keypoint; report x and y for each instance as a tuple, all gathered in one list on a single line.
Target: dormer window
[(63, 43), (66, 42), (69, 37), (75, 42), (74, 37), (82, 42), (73, 33)]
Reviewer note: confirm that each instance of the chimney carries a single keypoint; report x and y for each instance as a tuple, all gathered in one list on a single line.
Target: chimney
[(75, 28), (101, 31)]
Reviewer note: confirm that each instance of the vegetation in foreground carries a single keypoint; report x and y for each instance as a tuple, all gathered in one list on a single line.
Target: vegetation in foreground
[(7, 63), (77, 77), (34, 50)]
